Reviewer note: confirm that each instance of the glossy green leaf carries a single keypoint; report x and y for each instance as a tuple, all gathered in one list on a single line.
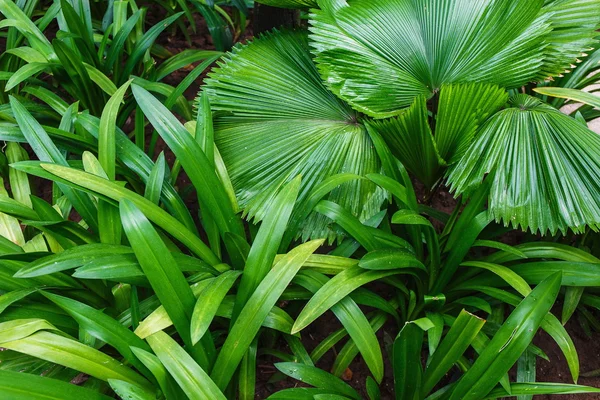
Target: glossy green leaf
[(284, 122), (317, 378), (353, 320), (208, 302), (264, 248), (113, 191), (145, 42), (193, 160), (455, 343), (389, 260), (72, 354), (45, 150), (256, 309), (126, 390), (571, 94), (22, 386), (166, 278), (165, 380), (102, 327), (571, 301), (406, 361), (194, 381), (336, 289), (509, 342), (540, 388)]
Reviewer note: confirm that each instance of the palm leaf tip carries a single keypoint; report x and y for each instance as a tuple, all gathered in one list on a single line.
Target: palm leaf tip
[(276, 120), (545, 168)]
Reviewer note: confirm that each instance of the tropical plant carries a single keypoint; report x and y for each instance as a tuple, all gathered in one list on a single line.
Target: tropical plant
[(112, 282), (447, 292), (439, 80), (127, 284), (70, 292), (90, 59)]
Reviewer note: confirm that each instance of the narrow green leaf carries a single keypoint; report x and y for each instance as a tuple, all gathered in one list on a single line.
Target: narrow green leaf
[(165, 380), (463, 331), (508, 275), (267, 241), (166, 278), (336, 289), (155, 182), (539, 388), (22, 386), (193, 160), (208, 303), (72, 354), (194, 381), (389, 260), (406, 361), (113, 191), (26, 72), (102, 327), (317, 377), (353, 320), (106, 136), (247, 374), (256, 309), (16, 329), (526, 371), (578, 96), (45, 150), (509, 342), (572, 297), (129, 391), (145, 42)]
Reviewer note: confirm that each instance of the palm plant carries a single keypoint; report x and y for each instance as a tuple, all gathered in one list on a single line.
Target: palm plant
[(451, 299), (111, 282), (439, 81), (124, 294)]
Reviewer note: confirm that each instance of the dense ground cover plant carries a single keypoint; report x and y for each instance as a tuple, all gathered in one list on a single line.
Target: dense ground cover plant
[(115, 282)]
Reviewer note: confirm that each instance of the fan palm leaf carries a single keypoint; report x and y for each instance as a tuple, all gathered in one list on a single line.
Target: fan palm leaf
[(378, 55), (276, 120), (462, 108), (545, 168)]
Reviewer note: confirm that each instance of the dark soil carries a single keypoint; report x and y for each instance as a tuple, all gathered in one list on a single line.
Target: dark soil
[(556, 370)]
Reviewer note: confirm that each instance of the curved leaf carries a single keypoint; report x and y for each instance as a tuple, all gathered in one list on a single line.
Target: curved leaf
[(190, 376), (379, 55), (545, 168), (508, 343), (22, 386), (277, 117), (75, 355), (256, 310), (317, 377)]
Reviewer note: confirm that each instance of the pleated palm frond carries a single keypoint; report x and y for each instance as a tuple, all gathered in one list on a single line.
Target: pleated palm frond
[(276, 120), (461, 109), (289, 3), (410, 139), (379, 55), (545, 168)]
